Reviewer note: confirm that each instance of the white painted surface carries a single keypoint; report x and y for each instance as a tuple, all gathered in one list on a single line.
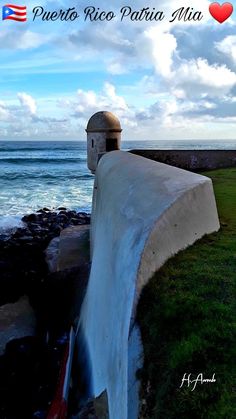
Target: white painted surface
[(135, 362), (143, 213)]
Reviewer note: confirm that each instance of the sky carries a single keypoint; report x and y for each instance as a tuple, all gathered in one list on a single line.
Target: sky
[(163, 80)]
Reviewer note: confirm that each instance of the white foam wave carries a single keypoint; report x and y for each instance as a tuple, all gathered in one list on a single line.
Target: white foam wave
[(9, 223)]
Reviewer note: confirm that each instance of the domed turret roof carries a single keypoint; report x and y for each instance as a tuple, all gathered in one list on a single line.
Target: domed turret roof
[(103, 121)]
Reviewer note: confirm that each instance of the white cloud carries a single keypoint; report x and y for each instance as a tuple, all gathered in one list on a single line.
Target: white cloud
[(110, 93), (4, 113), (164, 45), (198, 77), (228, 47), (27, 102), (22, 39), (31, 39), (115, 67), (165, 79), (88, 102)]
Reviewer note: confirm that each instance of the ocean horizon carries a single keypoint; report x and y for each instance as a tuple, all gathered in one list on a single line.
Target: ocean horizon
[(36, 174)]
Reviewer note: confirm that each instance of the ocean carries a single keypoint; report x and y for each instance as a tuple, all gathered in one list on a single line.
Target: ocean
[(36, 174)]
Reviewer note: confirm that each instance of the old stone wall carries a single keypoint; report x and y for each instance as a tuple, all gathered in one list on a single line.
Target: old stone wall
[(143, 213), (192, 159)]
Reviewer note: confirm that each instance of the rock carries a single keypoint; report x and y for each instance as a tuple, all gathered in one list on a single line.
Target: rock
[(95, 408), (4, 237), (28, 374), (22, 232), (4, 265), (62, 218), (81, 214), (56, 228), (83, 217), (71, 213), (23, 251), (74, 247), (52, 254), (35, 229), (16, 321), (30, 218), (40, 231), (61, 209), (74, 221), (25, 239), (53, 214), (56, 298)]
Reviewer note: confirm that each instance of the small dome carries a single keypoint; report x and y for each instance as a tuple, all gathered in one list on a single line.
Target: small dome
[(103, 121)]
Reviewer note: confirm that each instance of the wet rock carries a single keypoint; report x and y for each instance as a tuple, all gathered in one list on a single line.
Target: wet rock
[(23, 251), (4, 237), (30, 218), (16, 320), (71, 213), (25, 239), (57, 228), (51, 254), (74, 221), (22, 232), (41, 211), (62, 218), (81, 214), (62, 209), (56, 300)]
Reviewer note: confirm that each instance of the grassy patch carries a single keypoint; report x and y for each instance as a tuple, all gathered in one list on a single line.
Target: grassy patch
[(188, 322)]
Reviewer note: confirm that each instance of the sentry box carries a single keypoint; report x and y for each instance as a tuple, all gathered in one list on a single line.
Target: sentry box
[(103, 135)]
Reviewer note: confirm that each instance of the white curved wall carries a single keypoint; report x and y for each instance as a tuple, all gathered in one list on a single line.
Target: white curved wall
[(143, 213)]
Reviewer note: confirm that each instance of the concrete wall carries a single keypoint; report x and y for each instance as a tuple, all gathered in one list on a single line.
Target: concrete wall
[(192, 159), (143, 213)]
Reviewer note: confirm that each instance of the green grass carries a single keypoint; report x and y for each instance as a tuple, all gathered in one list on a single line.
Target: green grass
[(187, 316)]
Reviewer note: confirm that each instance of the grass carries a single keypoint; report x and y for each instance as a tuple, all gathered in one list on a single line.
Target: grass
[(187, 316)]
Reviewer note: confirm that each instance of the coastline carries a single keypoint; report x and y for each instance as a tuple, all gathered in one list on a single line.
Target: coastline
[(35, 333), (55, 173), (9, 223)]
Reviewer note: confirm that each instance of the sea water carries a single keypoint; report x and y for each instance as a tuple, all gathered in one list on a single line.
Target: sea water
[(36, 174)]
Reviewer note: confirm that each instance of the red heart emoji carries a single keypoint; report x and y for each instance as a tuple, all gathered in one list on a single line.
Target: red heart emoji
[(221, 12)]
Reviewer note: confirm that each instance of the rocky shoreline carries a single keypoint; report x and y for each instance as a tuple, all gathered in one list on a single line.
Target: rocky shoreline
[(29, 365)]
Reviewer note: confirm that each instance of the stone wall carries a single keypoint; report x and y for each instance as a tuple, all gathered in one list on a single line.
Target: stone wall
[(192, 159), (143, 213)]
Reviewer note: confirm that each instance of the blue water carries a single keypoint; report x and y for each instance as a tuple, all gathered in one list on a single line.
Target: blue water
[(35, 174)]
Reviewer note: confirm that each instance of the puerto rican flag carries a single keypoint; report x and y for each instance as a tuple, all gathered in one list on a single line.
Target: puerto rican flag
[(12, 12)]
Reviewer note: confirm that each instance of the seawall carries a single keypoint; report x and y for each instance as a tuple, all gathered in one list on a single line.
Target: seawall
[(192, 159), (143, 213)]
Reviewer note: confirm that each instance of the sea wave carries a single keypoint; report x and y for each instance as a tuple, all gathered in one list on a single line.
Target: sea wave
[(44, 176), (35, 149), (43, 160), (9, 223)]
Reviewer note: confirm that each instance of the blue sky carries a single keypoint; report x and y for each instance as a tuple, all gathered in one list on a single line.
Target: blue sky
[(163, 80)]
